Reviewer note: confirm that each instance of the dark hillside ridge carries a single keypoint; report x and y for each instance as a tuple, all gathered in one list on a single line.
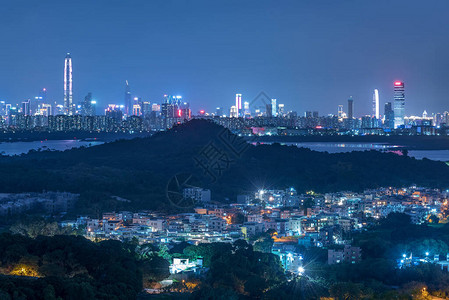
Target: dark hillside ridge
[(139, 169)]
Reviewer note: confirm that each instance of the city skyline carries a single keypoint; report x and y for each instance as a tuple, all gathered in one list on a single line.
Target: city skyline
[(225, 149), (297, 54), (133, 105)]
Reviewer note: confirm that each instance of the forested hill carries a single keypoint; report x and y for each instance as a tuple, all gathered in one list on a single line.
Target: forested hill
[(140, 169)]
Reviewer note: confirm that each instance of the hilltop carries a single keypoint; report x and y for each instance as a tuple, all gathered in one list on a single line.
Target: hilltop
[(140, 169)]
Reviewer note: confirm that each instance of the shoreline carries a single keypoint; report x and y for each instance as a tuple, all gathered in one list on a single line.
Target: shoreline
[(83, 136), (404, 142)]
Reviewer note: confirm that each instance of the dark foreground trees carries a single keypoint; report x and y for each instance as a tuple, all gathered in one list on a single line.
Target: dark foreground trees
[(67, 267)]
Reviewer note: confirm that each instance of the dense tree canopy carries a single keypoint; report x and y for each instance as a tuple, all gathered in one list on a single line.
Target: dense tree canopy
[(71, 267)]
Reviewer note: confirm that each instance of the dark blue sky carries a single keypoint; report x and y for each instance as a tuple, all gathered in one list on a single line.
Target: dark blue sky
[(309, 54)]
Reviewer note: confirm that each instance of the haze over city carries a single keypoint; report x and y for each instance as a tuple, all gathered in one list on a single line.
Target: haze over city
[(309, 55)]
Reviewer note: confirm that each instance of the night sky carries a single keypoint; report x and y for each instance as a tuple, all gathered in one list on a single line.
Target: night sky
[(310, 55)]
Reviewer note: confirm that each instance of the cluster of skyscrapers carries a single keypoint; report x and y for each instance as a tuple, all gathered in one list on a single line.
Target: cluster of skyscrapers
[(261, 108), (136, 114), (394, 114)]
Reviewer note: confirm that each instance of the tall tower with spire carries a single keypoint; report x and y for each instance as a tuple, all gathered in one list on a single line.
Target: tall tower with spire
[(128, 100), (68, 86)]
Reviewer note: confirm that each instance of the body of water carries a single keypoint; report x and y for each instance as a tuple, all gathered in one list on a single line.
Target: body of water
[(17, 148), (331, 147)]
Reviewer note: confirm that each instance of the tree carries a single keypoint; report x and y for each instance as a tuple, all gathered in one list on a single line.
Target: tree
[(345, 291), (164, 252), (395, 220), (434, 219), (264, 243), (155, 269), (237, 218)]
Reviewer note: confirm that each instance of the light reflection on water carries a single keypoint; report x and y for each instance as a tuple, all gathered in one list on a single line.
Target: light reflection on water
[(331, 147)]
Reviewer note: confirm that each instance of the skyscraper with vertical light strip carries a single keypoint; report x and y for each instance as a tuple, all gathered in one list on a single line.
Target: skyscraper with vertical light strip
[(399, 103), (376, 106), (68, 86), (238, 104)]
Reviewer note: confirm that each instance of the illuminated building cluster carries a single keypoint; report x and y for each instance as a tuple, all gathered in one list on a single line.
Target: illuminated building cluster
[(262, 115), (307, 220)]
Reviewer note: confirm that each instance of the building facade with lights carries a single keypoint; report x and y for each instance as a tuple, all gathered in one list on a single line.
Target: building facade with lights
[(68, 86), (399, 104)]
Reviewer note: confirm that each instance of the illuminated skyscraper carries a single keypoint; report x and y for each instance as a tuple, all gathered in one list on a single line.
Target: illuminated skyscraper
[(26, 110), (128, 100), (238, 104), (233, 112), (376, 112), (399, 103), (340, 112), (247, 112), (281, 109), (273, 108), (137, 107), (68, 87)]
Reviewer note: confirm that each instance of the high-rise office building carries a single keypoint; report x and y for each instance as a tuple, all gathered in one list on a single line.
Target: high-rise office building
[(169, 109), (146, 109), (340, 111), (233, 112), (389, 116), (68, 86), (238, 104), (45, 110), (376, 112), (37, 102), (26, 108), (93, 108), (268, 110), (88, 106), (399, 103), (137, 106), (350, 108), (273, 108), (281, 109), (246, 110), (156, 107), (128, 100)]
